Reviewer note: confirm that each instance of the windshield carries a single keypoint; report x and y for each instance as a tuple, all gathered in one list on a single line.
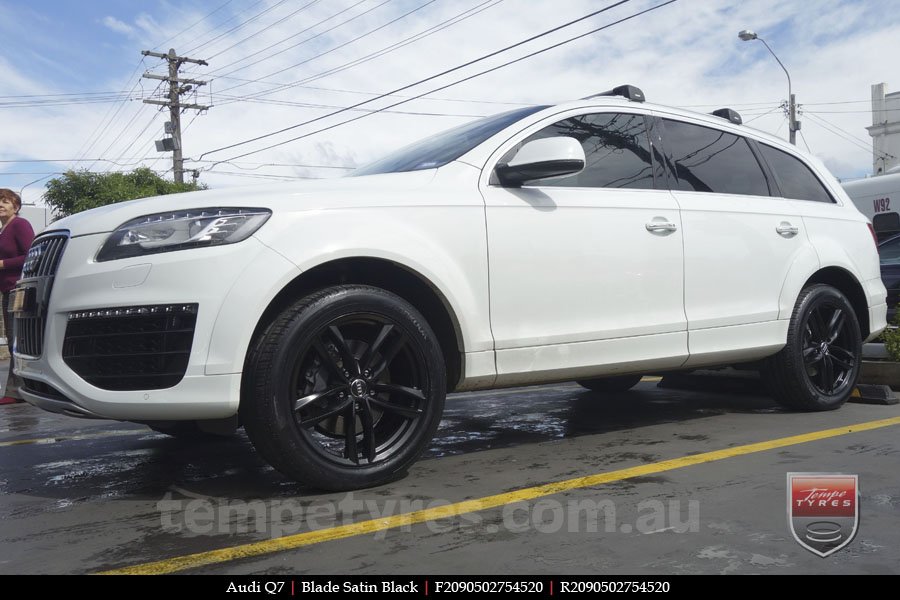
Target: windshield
[(442, 148)]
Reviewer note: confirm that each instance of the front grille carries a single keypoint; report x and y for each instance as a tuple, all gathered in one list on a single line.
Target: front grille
[(38, 271), (44, 255), (131, 347), (29, 335)]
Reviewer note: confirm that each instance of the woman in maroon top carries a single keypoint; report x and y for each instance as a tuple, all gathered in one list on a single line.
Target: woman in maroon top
[(16, 236)]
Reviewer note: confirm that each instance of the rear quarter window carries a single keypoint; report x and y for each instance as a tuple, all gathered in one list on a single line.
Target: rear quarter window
[(797, 181)]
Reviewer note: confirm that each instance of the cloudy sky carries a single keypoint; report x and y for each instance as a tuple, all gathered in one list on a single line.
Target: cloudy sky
[(72, 87)]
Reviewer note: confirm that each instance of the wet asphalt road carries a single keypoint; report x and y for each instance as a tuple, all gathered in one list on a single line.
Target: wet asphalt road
[(87, 496)]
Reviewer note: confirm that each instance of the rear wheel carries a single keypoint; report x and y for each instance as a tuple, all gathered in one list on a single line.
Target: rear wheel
[(346, 388), (610, 384), (819, 366)]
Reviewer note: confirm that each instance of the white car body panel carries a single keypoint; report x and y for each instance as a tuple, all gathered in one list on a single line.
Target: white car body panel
[(542, 283)]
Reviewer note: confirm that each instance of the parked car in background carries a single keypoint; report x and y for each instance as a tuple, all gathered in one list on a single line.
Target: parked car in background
[(595, 240), (889, 257)]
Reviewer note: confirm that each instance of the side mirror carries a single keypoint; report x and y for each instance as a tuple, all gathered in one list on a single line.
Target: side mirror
[(539, 159)]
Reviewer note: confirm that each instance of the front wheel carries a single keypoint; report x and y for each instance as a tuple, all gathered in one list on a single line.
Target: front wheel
[(345, 388), (818, 367)]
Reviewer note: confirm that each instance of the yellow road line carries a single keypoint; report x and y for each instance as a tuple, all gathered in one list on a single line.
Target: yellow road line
[(290, 542), (81, 436)]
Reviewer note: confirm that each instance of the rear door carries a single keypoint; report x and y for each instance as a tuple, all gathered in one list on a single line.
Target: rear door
[(739, 241)]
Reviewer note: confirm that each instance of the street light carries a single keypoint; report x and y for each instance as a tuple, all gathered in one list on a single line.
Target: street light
[(793, 124)]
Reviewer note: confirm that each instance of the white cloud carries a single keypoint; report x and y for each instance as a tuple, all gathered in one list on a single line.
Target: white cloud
[(118, 26)]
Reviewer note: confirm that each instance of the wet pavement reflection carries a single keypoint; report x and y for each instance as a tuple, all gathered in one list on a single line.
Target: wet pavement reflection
[(105, 459)]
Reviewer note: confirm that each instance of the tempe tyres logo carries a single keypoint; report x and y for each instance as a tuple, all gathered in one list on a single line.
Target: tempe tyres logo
[(823, 510)]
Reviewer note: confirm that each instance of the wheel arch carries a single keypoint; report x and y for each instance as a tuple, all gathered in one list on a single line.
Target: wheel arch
[(388, 275), (844, 281)]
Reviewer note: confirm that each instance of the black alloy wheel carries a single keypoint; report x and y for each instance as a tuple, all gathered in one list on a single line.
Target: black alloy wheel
[(345, 389), (358, 388), (829, 348), (819, 365)]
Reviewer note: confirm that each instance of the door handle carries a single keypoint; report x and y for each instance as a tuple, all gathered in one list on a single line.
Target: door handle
[(786, 229), (661, 226)]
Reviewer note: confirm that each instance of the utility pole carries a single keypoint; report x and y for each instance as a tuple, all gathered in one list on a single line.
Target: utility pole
[(793, 123), (177, 87)]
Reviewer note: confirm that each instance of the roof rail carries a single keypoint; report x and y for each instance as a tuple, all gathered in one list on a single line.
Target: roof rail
[(626, 91), (729, 115)]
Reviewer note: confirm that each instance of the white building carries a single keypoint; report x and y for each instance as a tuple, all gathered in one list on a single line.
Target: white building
[(885, 129), (38, 216)]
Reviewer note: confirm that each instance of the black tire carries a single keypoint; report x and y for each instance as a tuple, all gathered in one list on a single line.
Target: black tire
[(344, 353), (819, 366), (621, 383)]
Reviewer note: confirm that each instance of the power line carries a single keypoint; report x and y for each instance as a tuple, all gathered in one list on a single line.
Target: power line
[(837, 102), (360, 93), (331, 106), (256, 166), (763, 114), (116, 139), (66, 94), (104, 123), (134, 117), (69, 102), (68, 160), (849, 112), (191, 26), (266, 28), (29, 173), (454, 20), (721, 104), (263, 176), (233, 17), (301, 32), (139, 135), (864, 143), (803, 137), (238, 26), (828, 127), (310, 59), (400, 89), (137, 161), (535, 53)]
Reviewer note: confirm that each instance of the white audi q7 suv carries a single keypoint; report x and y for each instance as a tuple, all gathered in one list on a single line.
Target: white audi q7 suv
[(592, 241)]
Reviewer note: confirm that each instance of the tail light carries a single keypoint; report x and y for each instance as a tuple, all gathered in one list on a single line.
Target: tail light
[(872, 231)]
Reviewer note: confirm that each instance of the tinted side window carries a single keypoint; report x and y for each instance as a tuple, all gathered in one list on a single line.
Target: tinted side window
[(709, 160), (795, 178), (616, 151)]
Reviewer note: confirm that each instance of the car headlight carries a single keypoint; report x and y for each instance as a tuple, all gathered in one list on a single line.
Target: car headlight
[(182, 229)]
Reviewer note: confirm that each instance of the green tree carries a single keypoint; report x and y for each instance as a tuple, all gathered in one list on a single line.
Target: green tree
[(81, 190)]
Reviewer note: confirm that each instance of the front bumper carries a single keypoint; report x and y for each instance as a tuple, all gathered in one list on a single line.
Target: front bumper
[(207, 277)]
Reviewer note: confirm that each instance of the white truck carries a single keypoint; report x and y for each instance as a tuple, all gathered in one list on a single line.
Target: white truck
[(879, 199)]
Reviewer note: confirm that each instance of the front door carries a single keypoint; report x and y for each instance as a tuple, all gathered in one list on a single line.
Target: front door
[(586, 270)]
